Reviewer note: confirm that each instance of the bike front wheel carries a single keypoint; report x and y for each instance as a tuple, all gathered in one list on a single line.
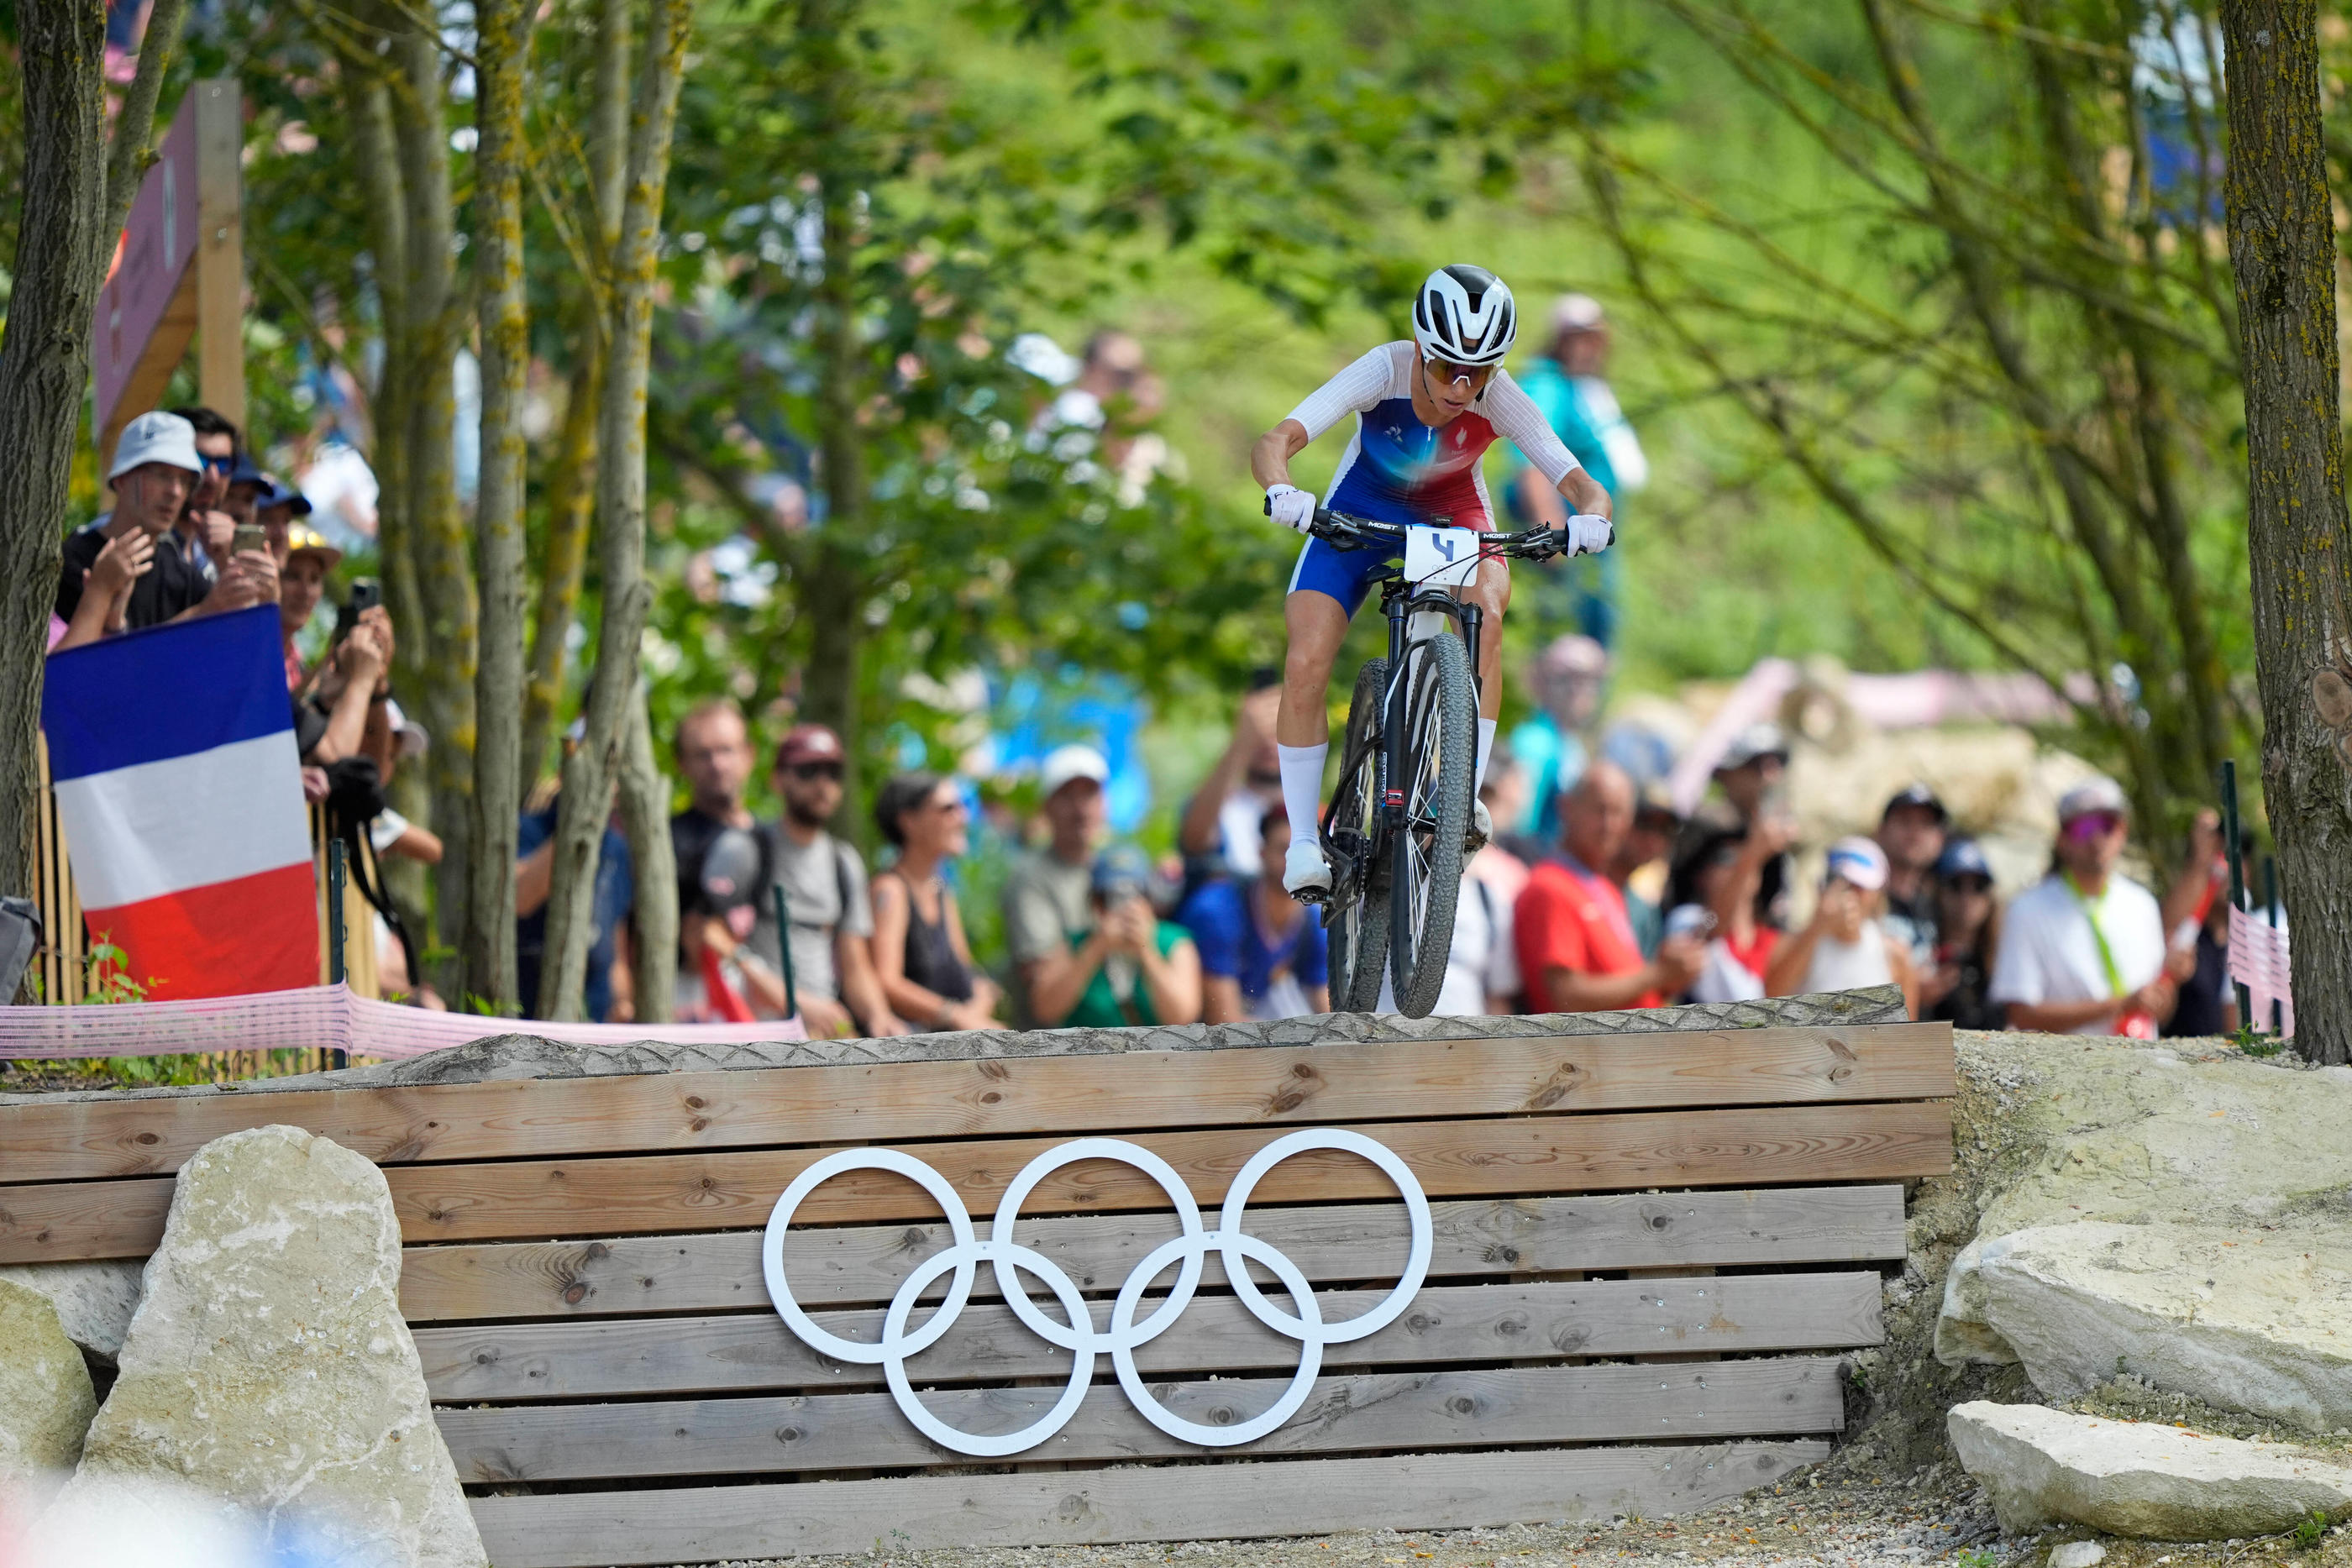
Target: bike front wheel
[(1360, 922), (1425, 875)]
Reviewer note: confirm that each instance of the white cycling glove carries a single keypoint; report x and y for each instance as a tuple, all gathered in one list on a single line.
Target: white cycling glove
[(1291, 507), (1588, 535)]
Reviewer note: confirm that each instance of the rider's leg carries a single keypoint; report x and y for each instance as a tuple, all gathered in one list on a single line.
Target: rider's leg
[(1492, 593), (1317, 624)]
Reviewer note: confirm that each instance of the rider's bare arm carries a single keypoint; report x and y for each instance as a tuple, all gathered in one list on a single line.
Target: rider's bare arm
[(1270, 458)]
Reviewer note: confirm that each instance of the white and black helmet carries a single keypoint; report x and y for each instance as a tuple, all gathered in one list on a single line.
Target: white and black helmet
[(1465, 314)]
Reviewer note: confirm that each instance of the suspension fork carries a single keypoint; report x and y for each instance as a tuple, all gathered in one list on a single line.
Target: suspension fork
[(1397, 607)]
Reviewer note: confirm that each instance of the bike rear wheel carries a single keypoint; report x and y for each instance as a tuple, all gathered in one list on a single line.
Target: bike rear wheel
[(1360, 926), (1440, 759)]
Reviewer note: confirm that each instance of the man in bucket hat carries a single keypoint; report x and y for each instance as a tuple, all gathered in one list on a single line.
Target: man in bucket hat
[(155, 470)]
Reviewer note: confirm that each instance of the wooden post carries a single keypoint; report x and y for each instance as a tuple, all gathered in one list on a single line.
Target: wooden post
[(220, 248), (179, 272)]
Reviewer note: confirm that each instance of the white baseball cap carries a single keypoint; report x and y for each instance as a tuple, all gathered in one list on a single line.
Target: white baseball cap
[(156, 437), (1576, 313), (1858, 860), (1066, 763), (2098, 793)]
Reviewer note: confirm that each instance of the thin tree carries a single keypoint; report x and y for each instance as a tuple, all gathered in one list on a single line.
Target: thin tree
[(609, 754), (502, 67), (571, 485), (75, 197), (2299, 541)]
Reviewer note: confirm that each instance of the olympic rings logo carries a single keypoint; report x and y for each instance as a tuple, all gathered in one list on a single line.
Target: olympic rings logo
[(1188, 1250)]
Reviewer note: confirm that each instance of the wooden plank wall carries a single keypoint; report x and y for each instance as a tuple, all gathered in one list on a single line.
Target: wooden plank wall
[(1648, 1252)]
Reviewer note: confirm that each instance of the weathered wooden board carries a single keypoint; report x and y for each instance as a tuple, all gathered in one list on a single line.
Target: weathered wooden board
[(1784, 1397), (1346, 1082), (1164, 1503), (755, 1350), (1342, 1241), (667, 1193)]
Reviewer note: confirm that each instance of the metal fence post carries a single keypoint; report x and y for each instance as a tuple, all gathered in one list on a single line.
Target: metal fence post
[(336, 873), (2237, 870), (784, 951)]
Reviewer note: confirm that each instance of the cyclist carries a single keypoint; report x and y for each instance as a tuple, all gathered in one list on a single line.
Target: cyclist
[(1426, 410)]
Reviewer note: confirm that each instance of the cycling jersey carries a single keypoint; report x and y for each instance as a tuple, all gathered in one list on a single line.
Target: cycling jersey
[(1398, 470)]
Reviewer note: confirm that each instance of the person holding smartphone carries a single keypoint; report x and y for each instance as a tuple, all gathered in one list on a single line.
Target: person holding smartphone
[(1846, 945)]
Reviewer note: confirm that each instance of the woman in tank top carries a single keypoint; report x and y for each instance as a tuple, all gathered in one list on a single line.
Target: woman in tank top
[(1845, 947), (918, 943)]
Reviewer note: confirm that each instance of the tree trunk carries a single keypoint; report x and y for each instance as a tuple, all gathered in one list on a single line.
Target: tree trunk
[(836, 592), (438, 543), (645, 819), (2299, 543), (502, 69), (74, 205), (621, 531), (572, 491)]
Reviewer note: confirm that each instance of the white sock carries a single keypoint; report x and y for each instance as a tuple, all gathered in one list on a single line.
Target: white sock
[(1302, 788), (1485, 747)]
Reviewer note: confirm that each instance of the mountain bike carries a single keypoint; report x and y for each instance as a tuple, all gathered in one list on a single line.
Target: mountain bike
[(1398, 822)]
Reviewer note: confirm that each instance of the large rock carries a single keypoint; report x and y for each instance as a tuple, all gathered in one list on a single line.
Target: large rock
[(2182, 1216), (94, 1300), (46, 1402), (2242, 1324), (268, 1366), (2131, 1478)]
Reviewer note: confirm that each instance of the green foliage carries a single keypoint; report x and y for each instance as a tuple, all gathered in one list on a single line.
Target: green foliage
[(2311, 1531), (1977, 1557), (2253, 1042)]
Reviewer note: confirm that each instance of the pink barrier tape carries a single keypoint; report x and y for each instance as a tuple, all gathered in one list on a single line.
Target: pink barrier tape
[(327, 1016), (2258, 961)]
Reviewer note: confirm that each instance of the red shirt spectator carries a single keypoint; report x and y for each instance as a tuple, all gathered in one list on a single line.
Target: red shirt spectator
[(1576, 945), (1568, 917)]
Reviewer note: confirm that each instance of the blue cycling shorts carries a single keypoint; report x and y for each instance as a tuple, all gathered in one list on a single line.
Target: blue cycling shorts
[(1344, 575)]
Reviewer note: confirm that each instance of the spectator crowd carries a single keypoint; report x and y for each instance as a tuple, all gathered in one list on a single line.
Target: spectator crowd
[(1628, 903), (1596, 894)]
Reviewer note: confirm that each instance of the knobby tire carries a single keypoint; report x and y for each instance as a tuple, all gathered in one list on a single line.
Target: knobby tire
[(1440, 757), (1359, 930)]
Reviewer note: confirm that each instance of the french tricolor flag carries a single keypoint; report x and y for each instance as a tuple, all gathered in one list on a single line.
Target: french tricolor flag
[(179, 791)]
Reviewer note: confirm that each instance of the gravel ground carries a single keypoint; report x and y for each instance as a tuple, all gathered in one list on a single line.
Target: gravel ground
[(1811, 1521)]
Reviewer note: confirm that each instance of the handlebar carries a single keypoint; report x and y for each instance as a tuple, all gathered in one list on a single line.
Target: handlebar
[(1344, 532)]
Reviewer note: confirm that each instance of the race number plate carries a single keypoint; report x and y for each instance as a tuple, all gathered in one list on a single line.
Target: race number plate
[(1440, 558)]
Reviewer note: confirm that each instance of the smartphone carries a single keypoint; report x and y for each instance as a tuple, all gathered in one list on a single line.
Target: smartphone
[(248, 535), (366, 594)]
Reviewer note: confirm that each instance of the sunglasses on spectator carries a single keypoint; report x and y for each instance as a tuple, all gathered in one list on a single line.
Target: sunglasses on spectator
[(217, 464), (1971, 885), (1448, 372), (807, 771), (2093, 825)]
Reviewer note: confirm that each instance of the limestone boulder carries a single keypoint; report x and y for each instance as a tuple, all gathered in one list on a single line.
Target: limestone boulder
[(267, 1365), (94, 1300), (46, 1401), (2243, 1320), (2130, 1478), (2180, 1214)]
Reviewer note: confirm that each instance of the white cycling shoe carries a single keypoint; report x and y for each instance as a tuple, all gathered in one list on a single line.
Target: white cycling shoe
[(1306, 875), (1482, 828)]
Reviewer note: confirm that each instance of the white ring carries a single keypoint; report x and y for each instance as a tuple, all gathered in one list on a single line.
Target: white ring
[(1189, 1249), (1416, 1266), (1008, 1211), (771, 1252)]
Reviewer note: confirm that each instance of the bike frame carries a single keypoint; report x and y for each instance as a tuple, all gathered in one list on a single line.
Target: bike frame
[(1400, 601)]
